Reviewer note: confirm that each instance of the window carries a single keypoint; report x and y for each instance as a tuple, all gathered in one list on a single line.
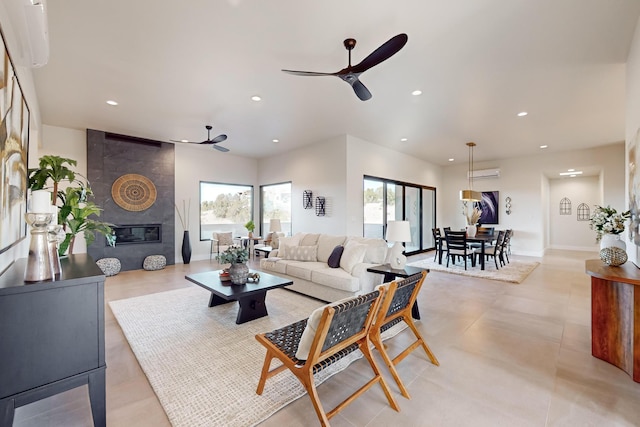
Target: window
[(386, 200), (224, 207), (275, 202)]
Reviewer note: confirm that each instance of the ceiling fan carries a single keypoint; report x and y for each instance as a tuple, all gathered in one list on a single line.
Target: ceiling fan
[(213, 142), (351, 73)]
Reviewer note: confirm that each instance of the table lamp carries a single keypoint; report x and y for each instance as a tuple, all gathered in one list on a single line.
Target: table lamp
[(274, 225), (399, 232)]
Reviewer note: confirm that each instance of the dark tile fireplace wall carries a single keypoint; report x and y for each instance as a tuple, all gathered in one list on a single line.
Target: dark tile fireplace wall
[(109, 156)]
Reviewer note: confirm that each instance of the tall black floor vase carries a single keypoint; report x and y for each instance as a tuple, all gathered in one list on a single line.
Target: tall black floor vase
[(186, 248)]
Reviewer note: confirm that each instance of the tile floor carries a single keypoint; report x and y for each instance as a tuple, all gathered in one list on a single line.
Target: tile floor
[(510, 355)]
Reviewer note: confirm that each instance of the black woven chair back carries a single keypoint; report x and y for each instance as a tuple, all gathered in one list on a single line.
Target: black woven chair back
[(349, 319), (404, 291)]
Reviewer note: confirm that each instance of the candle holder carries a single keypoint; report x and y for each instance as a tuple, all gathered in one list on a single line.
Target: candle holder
[(55, 236), (39, 266)]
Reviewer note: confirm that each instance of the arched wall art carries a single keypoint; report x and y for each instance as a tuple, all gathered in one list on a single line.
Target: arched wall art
[(133, 192)]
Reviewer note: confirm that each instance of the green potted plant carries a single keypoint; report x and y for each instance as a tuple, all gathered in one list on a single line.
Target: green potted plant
[(237, 256), (250, 226), (76, 208)]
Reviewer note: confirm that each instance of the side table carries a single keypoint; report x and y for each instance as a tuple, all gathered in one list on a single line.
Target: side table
[(391, 274)]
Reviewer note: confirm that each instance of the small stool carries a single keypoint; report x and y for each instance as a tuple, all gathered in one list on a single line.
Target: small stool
[(109, 266), (154, 262)]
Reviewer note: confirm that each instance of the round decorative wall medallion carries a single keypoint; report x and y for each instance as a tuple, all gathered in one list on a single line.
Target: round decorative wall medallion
[(133, 192)]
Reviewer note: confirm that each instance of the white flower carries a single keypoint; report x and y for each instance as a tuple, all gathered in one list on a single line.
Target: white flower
[(608, 221)]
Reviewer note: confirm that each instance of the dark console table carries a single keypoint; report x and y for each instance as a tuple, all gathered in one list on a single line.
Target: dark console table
[(52, 336)]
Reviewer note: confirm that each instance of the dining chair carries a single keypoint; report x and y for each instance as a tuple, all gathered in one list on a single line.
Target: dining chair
[(506, 245), (457, 246), (438, 239), (481, 232), (331, 332), (396, 307), (495, 251)]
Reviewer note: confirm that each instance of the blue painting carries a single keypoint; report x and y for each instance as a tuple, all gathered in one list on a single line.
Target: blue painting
[(489, 207)]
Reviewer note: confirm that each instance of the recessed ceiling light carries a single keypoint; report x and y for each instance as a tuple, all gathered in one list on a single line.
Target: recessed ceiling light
[(416, 92), (570, 170), (572, 173), (275, 140), (184, 140), (256, 98), (112, 102), (544, 146), (522, 114), (403, 139), (451, 160)]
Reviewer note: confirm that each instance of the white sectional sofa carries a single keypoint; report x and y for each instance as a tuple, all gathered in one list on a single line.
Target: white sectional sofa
[(304, 258)]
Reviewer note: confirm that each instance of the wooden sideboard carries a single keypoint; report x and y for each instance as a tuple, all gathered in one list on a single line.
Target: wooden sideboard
[(52, 336), (615, 315)]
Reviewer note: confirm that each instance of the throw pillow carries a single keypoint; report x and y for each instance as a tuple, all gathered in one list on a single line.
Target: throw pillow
[(353, 254), (302, 253), (225, 239), (285, 243), (334, 258), (309, 332)]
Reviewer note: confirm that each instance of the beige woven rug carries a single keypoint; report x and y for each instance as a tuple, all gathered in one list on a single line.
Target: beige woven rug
[(202, 366), (513, 272)]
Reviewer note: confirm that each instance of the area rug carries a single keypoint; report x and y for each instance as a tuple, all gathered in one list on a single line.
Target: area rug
[(202, 366), (513, 272)]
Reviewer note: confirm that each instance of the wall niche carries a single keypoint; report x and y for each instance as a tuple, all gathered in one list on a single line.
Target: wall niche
[(109, 157)]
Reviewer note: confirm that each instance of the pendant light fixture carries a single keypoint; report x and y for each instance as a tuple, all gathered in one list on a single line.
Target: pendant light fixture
[(469, 195)]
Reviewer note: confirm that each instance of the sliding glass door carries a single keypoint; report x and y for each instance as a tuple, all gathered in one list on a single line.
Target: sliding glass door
[(388, 200)]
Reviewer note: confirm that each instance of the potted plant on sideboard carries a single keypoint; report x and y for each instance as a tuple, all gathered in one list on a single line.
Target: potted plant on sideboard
[(75, 209)]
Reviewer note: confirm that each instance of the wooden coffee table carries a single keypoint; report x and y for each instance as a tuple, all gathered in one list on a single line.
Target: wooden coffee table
[(250, 297)]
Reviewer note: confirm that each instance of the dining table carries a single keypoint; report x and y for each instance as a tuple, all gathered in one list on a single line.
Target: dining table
[(483, 239)]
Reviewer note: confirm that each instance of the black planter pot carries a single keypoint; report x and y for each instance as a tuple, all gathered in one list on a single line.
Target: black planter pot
[(186, 248)]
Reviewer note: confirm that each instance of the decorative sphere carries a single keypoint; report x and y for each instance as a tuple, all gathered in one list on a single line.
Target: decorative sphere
[(613, 256)]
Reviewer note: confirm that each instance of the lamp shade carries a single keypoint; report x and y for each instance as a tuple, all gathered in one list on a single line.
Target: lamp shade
[(274, 225), (398, 231), (470, 195)]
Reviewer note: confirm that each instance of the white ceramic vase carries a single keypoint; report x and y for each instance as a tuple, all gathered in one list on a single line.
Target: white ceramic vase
[(612, 240), (471, 230)]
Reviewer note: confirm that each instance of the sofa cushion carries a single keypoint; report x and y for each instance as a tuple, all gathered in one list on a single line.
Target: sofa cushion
[(275, 264), (334, 258), (302, 253), (303, 270), (376, 249), (326, 244), (309, 239), (336, 278), (353, 254)]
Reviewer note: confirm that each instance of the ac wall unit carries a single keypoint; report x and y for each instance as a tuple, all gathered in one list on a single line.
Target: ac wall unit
[(484, 174), (35, 14)]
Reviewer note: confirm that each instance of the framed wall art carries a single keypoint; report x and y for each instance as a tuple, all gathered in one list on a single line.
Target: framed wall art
[(489, 207), (14, 148)]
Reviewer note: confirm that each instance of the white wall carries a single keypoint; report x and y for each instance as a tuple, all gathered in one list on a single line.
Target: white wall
[(197, 163), (524, 180), (632, 119), (365, 158), (321, 168), (566, 232)]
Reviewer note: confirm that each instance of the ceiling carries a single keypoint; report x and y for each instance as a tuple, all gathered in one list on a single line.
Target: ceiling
[(176, 66)]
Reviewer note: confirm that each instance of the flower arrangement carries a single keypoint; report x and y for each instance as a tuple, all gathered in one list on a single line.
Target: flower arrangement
[(233, 255), (473, 217), (608, 221)]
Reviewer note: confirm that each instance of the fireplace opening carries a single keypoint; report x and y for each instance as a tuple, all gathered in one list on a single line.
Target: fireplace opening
[(137, 233)]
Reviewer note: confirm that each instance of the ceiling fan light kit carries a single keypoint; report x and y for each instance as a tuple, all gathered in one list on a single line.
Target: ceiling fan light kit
[(351, 74)]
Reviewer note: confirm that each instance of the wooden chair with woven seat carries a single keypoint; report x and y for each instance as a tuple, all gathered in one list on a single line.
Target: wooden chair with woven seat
[(342, 328), (396, 308)]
